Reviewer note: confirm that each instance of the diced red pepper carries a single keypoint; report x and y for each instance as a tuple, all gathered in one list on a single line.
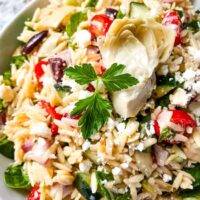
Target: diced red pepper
[(34, 194), (91, 88), (50, 110), (100, 25), (54, 129), (68, 116), (39, 72), (173, 21), (179, 117), (103, 69), (182, 118)]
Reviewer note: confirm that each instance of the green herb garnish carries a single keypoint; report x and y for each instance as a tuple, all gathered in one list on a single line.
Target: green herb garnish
[(75, 20), (16, 178), (166, 134), (2, 106), (95, 109), (18, 61)]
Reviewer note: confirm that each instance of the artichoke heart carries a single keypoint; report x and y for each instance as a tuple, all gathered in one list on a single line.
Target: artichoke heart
[(140, 46)]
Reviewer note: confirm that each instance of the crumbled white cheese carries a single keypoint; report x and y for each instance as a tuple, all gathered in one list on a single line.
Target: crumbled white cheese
[(84, 94), (195, 53), (82, 38), (86, 145), (116, 171), (40, 129), (167, 178), (85, 166), (196, 87), (121, 127), (189, 74), (180, 98), (140, 147)]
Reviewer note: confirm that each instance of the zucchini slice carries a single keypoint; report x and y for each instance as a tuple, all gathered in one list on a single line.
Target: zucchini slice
[(82, 184), (139, 10)]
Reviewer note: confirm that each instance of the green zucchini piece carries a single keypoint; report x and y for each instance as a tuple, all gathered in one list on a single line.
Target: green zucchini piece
[(16, 178), (91, 3), (6, 147), (162, 91), (139, 10), (91, 156), (18, 61), (82, 184)]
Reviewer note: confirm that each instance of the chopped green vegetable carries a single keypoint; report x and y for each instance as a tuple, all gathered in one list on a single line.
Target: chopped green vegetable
[(92, 156), (18, 61), (81, 74), (166, 134), (2, 106), (114, 81), (62, 90), (96, 112), (162, 90), (75, 20), (103, 190), (6, 147), (125, 196), (16, 178), (73, 2), (91, 3), (82, 184), (120, 15), (194, 26), (193, 194), (143, 119), (163, 101), (139, 11), (195, 172), (180, 12), (7, 78)]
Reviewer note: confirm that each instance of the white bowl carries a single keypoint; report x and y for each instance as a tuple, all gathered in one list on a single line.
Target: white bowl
[(8, 44)]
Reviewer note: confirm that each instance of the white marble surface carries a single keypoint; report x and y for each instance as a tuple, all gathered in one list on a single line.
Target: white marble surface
[(8, 8)]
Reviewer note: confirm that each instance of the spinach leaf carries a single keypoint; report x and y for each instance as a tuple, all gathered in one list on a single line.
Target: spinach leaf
[(16, 178), (194, 26), (195, 193), (75, 20), (18, 61), (6, 147), (163, 101), (195, 172)]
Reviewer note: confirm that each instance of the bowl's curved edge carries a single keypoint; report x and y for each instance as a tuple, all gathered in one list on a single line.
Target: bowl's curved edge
[(8, 43), (8, 35)]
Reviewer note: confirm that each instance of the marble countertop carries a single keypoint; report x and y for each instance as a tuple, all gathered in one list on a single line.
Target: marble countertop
[(8, 9)]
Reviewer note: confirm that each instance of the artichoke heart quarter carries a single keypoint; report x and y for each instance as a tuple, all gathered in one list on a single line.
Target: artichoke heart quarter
[(135, 43)]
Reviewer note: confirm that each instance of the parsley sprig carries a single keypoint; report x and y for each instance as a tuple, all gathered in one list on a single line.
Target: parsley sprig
[(95, 110)]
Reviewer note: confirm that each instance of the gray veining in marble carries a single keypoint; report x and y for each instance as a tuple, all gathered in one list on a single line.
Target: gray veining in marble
[(8, 8)]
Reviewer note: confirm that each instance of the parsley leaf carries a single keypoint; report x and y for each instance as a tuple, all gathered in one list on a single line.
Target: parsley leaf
[(95, 116), (75, 20), (114, 81), (82, 74)]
